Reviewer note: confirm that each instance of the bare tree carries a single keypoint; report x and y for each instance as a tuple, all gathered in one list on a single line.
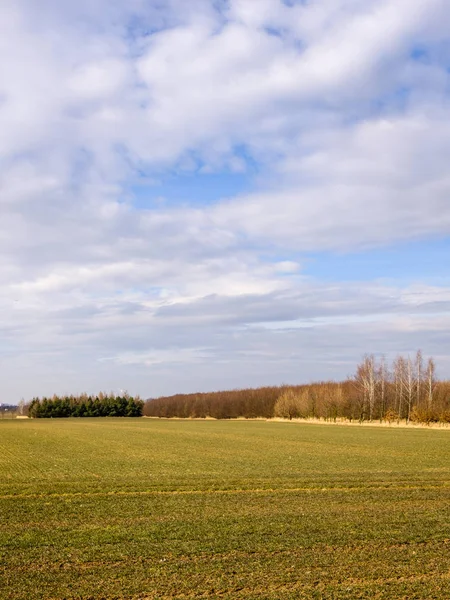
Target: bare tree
[(21, 406), (365, 381), (431, 381), (419, 376), (287, 405), (409, 385), (381, 378), (399, 368)]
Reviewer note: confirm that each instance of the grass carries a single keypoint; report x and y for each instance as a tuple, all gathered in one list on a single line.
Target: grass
[(139, 508)]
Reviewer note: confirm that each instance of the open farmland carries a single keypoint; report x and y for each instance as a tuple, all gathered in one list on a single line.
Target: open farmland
[(140, 508)]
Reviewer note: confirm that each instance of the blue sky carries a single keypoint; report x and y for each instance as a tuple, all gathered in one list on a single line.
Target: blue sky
[(176, 188), (202, 195), (426, 261)]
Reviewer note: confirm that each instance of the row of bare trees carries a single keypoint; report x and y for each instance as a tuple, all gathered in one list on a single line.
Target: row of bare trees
[(405, 390), (229, 404)]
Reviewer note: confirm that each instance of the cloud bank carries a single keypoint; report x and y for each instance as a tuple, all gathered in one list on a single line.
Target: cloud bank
[(335, 114)]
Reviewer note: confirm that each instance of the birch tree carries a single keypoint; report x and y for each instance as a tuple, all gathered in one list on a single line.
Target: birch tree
[(365, 380), (381, 377), (431, 375), (409, 385), (419, 376), (399, 368)]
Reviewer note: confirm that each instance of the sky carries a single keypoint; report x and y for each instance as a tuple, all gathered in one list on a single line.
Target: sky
[(218, 194)]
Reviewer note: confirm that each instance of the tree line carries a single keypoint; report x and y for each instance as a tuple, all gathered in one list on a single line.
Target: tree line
[(248, 403), (101, 405), (405, 390)]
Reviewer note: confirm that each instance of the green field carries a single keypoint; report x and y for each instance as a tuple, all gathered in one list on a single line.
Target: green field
[(140, 508)]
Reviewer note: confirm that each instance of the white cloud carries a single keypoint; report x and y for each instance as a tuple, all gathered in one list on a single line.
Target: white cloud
[(98, 80)]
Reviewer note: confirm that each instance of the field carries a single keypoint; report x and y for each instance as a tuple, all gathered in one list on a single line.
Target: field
[(143, 508)]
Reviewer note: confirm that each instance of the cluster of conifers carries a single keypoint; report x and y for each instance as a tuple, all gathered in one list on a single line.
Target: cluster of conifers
[(406, 390), (102, 405)]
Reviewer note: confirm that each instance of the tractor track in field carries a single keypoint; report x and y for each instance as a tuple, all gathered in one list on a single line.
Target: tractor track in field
[(211, 492)]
